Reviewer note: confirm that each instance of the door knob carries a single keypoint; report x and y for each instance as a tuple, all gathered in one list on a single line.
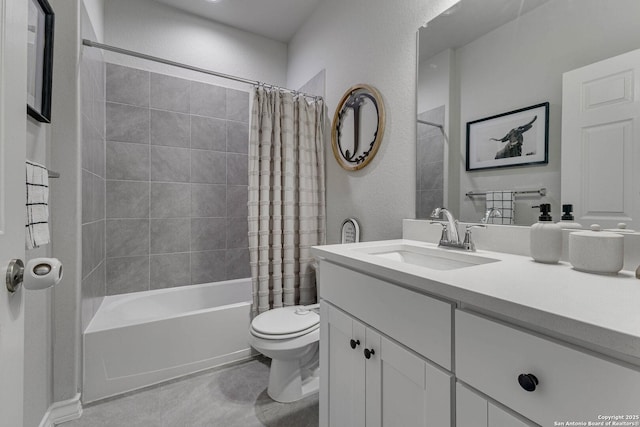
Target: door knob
[(528, 381), (40, 273), (15, 273), (368, 353), (354, 343)]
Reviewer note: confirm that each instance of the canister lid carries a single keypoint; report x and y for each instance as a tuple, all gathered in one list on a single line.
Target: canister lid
[(597, 233)]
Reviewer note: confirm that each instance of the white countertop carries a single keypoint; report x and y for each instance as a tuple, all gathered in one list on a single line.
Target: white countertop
[(599, 311)]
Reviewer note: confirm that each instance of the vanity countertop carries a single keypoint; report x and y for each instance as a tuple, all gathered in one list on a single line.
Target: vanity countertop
[(599, 311)]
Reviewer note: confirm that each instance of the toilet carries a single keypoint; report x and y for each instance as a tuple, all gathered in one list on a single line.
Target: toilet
[(290, 337)]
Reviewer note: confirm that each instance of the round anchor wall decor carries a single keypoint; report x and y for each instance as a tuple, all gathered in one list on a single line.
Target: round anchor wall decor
[(358, 126)]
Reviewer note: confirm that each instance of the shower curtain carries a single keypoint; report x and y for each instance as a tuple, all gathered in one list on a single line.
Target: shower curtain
[(286, 197)]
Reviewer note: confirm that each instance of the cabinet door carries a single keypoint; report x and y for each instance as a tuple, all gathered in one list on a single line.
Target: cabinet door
[(500, 418), (473, 410), (412, 391), (343, 403)]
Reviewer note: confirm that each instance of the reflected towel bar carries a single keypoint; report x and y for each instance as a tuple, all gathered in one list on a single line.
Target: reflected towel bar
[(541, 192)]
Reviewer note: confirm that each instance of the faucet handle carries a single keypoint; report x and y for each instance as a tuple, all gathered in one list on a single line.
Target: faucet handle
[(469, 227), (444, 237), (468, 241)]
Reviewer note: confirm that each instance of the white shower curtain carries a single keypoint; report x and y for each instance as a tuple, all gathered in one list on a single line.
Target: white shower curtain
[(286, 197)]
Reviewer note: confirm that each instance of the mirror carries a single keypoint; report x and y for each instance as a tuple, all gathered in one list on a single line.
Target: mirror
[(483, 58), (358, 126)]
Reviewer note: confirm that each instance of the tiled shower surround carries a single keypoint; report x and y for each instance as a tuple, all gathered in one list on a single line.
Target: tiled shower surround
[(430, 169), (176, 189)]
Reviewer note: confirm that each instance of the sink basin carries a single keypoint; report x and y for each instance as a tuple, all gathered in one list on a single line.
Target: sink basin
[(433, 258)]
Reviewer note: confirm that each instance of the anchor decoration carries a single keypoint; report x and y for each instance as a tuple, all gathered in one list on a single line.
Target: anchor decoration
[(357, 105)]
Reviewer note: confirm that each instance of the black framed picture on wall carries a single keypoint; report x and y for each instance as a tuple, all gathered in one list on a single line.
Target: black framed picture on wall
[(515, 138), (39, 59)]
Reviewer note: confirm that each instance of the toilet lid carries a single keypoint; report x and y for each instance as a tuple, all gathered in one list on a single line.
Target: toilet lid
[(285, 321)]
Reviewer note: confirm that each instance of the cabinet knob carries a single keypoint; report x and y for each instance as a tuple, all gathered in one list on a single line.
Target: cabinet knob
[(368, 353), (528, 381), (354, 343)]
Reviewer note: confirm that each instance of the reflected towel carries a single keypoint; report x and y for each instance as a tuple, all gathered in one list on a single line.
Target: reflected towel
[(503, 201), (37, 227)]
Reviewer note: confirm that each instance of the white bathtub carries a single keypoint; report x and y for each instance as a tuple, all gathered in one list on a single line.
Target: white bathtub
[(139, 339)]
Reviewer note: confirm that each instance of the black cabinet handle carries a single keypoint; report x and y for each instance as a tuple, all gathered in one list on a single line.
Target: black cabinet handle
[(528, 381), (368, 353), (354, 343)]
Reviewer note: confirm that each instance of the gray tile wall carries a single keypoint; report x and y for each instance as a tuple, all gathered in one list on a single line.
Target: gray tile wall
[(92, 81), (176, 181), (430, 163)]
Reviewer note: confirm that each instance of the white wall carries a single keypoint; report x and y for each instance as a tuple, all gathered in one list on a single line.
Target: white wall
[(521, 64), (159, 30), (95, 10), (65, 199), (374, 42)]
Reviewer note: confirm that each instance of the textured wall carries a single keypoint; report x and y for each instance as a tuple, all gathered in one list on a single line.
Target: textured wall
[(176, 156), (368, 41)]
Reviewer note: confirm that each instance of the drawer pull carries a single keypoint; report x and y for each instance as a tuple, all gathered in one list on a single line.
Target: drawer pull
[(354, 343), (528, 381), (368, 353)]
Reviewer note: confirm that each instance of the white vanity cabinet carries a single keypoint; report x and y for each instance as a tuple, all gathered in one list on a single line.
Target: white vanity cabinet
[(369, 379)]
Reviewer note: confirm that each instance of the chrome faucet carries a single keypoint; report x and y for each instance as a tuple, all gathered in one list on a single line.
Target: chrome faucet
[(452, 224), (450, 237), (491, 213)]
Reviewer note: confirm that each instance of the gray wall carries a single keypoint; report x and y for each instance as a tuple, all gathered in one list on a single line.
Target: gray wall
[(92, 87), (176, 189)]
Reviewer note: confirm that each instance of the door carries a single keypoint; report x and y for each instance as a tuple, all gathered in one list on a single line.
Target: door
[(412, 391), (343, 404), (600, 146), (13, 88)]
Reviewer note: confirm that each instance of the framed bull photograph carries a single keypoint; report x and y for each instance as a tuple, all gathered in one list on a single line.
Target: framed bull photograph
[(516, 138)]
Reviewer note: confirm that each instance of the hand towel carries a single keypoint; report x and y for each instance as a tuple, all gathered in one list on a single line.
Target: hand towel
[(37, 227), (503, 201)]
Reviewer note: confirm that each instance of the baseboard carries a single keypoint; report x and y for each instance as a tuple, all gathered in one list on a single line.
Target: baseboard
[(60, 412)]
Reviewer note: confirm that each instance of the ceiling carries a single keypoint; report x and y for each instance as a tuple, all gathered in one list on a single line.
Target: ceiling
[(467, 21), (273, 19)]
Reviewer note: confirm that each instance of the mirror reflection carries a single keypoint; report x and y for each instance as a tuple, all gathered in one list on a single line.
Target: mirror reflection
[(483, 58)]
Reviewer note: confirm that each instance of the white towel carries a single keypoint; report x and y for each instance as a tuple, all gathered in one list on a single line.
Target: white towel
[(37, 228), (503, 201)]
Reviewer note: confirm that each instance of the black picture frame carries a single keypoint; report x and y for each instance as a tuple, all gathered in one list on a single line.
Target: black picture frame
[(516, 138), (40, 59)]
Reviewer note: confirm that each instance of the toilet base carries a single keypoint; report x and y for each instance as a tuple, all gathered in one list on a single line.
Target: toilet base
[(292, 380)]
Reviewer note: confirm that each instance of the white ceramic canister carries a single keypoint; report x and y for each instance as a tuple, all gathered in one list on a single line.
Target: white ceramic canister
[(596, 251)]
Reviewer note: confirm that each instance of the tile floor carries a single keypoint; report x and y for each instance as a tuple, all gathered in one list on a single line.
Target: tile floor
[(233, 396)]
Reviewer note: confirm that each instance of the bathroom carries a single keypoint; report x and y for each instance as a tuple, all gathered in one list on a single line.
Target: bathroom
[(381, 39)]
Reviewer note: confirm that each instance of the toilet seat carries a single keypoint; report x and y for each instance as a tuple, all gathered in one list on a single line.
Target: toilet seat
[(285, 323)]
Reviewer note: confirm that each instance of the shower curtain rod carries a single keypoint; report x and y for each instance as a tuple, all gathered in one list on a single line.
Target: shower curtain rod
[(91, 43)]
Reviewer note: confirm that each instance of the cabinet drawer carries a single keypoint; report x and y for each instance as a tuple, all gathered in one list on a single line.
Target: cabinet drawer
[(419, 322), (572, 385)]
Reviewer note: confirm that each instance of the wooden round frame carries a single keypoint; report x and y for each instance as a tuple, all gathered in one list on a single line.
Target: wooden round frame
[(363, 160)]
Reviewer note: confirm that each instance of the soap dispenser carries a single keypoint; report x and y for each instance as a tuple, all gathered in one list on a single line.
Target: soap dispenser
[(546, 237), (568, 221)]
